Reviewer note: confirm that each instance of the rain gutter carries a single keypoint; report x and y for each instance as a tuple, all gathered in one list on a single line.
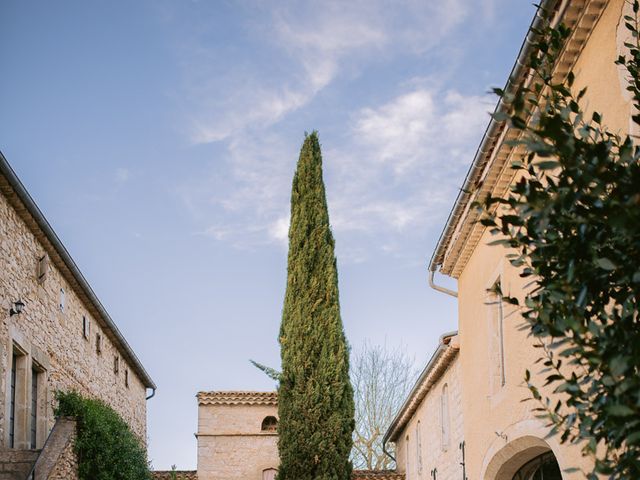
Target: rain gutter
[(442, 347), (474, 175)]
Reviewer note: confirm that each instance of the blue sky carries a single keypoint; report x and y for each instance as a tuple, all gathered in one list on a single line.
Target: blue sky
[(160, 139)]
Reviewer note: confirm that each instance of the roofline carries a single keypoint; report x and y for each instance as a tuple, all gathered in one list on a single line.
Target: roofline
[(42, 223), (519, 71), (397, 423), (269, 397)]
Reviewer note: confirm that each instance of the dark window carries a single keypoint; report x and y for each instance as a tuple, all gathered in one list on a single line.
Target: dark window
[(34, 406), (98, 343), (86, 327), (116, 364), (269, 424), (543, 467), (126, 378), (12, 407)]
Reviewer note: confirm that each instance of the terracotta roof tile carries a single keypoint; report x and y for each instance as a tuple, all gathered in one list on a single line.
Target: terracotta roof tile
[(237, 398), (377, 475), (180, 475)]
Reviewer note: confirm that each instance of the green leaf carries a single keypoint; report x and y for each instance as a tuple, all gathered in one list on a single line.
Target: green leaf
[(548, 164), (605, 263), (620, 411)]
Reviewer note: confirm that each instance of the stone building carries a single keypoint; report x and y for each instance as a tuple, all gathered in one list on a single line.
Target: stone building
[(503, 438), (54, 334), (428, 428), (237, 436), (238, 440)]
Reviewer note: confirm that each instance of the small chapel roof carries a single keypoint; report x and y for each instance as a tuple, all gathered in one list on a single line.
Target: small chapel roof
[(237, 398), (177, 474)]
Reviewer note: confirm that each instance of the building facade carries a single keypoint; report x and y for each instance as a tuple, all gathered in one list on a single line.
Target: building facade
[(54, 335), (504, 440), (237, 436), (238, 439), (428, 429)]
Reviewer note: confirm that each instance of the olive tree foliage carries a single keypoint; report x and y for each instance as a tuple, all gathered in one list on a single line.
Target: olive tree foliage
[(572, 223), (381, 379)]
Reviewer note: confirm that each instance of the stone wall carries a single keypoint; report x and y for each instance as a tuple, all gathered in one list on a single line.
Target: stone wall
[(231, 445), (53, 338), (58, 460), (67, 466), (16, 464)]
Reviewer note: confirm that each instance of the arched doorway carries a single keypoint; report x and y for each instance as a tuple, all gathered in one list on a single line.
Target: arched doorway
[(527, 457), (542, 467)]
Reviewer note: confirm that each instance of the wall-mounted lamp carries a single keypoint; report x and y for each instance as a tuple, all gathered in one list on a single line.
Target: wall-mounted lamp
[(17, 308)]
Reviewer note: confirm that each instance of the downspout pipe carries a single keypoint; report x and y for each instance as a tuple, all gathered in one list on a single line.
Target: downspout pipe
[(386, 452), (438, 288), (153, 393)]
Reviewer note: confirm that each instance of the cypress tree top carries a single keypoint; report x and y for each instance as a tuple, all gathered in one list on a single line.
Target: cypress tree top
[(315, 401)]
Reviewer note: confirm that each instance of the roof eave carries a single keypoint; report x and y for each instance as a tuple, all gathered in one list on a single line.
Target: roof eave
[(400, 420), (491, 135)]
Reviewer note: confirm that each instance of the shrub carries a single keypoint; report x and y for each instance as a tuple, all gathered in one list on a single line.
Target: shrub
[(107, 449)]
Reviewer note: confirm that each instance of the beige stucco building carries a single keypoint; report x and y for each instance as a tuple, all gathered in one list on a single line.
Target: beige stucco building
[(428, 429), (54, 332), (503, 440)]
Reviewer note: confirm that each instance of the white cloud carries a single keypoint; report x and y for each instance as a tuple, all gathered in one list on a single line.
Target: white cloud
[(397, 129), (279, 230), (122, 175), (393, 169), (402, 164), (311, 45)]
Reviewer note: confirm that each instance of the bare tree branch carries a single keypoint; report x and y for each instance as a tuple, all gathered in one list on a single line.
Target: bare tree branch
[(381, 381)]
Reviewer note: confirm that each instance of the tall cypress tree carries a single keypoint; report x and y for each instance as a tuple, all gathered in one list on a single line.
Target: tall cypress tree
[(315, 402)]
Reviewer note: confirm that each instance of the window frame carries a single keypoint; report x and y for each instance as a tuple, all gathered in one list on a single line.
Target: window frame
[(419, 448), (445, 418), (62, 300), (86, 327)]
